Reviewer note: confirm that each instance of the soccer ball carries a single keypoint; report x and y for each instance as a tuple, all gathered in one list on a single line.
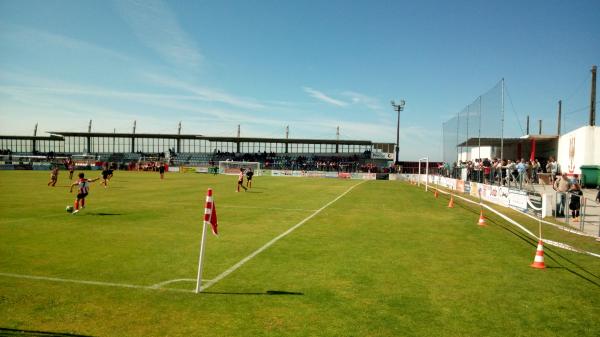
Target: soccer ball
[(70, 209)]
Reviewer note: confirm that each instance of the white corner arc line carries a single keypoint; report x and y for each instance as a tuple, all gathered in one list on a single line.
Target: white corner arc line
[(270, 243), (159, 285), (96, 283)]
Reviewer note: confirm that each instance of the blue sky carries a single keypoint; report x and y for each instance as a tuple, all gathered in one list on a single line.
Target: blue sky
[(312, 65)]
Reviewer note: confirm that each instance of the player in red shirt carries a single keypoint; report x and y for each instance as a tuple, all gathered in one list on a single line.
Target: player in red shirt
[(241, 181), (83, 186), (53, 176), (71, 167)]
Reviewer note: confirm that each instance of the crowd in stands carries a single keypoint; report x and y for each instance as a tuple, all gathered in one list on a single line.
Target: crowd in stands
[(272, 160), (268, 160), (503, 172)]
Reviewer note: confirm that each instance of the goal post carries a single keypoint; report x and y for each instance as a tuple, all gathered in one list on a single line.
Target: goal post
[(233, 167)]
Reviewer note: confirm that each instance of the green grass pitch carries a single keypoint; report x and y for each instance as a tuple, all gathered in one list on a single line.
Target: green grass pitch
[(386, 259)]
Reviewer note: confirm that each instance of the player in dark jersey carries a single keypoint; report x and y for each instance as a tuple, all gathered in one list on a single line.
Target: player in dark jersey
[(240, 182), (161, 170), (83, 186), (249, 175), (106, 174)]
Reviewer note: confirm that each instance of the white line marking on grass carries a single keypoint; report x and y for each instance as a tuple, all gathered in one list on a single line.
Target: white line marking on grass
[(158, 285), (510, 220), (96, 283), (270, 243), (268, 208)]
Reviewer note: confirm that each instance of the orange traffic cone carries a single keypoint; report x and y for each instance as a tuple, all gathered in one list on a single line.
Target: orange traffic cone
[(481, 219), (451, 203), (435, 194), (538, 262)]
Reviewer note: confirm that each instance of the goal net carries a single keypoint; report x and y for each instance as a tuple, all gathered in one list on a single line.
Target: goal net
[(233, 167)]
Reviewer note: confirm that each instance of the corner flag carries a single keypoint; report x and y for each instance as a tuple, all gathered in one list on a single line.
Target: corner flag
[(210, 212), (210, 217)]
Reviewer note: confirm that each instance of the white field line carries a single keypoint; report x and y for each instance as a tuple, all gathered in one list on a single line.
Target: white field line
[(268, 208), (550, 242), (159, 285), (96, 283), (270, 243)]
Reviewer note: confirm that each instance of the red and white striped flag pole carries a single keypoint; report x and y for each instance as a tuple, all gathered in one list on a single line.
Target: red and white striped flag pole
[(210, 217)]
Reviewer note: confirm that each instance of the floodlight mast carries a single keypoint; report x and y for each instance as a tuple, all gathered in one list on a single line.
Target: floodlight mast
[(398, 108)]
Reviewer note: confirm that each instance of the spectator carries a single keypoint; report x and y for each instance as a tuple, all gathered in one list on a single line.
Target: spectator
[(535, 170), (575, 203), (552, 168), (522, 171), (561, 186)]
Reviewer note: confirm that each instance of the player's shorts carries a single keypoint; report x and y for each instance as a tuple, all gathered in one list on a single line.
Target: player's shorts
[(81, 195), (240, 182), (105, 176)]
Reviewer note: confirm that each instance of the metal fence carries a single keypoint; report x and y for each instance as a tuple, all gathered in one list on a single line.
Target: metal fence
[(587, 217)]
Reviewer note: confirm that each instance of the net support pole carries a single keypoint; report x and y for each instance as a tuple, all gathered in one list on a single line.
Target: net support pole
[(479, 130), (502, 124), (426, 159), (468, 156)]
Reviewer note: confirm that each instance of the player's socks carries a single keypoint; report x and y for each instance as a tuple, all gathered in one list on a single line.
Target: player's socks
[(76, 205)]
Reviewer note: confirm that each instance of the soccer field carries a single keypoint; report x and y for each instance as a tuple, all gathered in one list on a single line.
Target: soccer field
[(373, 258)]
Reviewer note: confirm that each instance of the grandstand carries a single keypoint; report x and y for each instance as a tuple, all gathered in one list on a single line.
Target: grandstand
[(127, 150)]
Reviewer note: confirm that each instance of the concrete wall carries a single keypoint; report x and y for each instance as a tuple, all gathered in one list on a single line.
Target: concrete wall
[(579, 147)]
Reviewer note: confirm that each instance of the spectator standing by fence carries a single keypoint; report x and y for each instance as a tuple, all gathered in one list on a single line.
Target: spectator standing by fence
[(535, 169), (522, 172), (561, 186), (552, 168), (575, 204)]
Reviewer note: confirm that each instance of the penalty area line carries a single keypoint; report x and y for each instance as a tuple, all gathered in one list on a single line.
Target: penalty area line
[(270, 243)]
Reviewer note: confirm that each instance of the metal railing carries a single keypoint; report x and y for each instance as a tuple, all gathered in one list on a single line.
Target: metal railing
[(589, 212)]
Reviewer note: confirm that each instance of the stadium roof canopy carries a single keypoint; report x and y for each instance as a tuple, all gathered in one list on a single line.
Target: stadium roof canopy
[(210, 138), (51, 137)]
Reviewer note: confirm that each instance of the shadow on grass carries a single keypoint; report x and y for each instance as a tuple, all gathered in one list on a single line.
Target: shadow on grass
[(30, 333), (550, 252), (268, 292), (103, 214)]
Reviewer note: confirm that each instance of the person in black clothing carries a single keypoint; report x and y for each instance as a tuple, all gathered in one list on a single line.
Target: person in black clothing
[(249, 175), (106, 174), (161, 170), (575, 203)]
